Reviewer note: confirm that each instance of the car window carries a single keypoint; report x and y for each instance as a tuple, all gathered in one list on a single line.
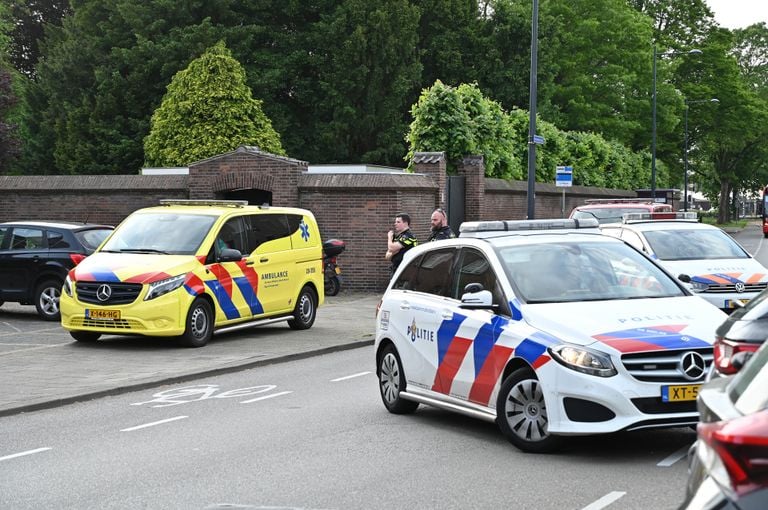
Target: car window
[(573, 271), (23, 238), (688, 244), (265, 228), (56, 240), (747, 389), (432, 274), (4, 237), (474, 267), (632, 238), (612, 214), (233, 235), (92, 238)]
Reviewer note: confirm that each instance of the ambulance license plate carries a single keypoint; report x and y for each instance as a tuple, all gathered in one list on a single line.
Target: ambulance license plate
[(111, 315), (680, 393)]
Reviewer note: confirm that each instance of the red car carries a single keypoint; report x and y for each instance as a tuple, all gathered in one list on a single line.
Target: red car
[(611, 210)]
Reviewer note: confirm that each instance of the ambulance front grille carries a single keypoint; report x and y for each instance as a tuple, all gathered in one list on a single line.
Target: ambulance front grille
[(117, 325), (120, 293), (663, 366)]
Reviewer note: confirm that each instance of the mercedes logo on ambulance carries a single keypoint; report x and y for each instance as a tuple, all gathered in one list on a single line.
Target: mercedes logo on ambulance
[(692, 365), (103, 293)]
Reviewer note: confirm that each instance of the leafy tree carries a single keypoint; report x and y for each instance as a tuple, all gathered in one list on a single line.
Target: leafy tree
[(677, 24), (751, 51), (30, 19), (9, 143), (208, 110)]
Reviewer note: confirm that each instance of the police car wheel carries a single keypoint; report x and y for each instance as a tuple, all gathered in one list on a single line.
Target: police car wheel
[(47, 296), (521, 413), (85, 336), (392, 382), (305, 310), (199, 327)]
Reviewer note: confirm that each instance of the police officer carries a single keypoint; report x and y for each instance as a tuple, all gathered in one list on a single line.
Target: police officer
[(440, 227), (400, 240)]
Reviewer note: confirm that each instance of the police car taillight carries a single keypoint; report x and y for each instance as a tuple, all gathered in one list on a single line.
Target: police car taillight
[(521, 225), (655, 216)]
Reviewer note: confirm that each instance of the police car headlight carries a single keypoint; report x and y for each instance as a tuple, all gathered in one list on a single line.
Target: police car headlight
[(68, 286), (583, 360), (161, 287)]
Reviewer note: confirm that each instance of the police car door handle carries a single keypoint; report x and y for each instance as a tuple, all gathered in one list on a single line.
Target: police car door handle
[(405, 305), (447, 315)]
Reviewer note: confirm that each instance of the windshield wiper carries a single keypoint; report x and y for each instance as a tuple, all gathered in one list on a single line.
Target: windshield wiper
[(143, 250)]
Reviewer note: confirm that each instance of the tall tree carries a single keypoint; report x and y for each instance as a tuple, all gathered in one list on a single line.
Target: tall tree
[(30, 19), (751, 51), (208, 110), (9, 143)]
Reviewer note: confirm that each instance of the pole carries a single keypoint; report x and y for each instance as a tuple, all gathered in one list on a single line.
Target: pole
[(653, 130), (532, 111), (685, 161)]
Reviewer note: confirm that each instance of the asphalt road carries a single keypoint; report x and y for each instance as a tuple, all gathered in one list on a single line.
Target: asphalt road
[(313, 434)]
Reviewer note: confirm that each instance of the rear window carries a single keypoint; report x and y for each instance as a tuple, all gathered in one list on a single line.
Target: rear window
[(91, 239)]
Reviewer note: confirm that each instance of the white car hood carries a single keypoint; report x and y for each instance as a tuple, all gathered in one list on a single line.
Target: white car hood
[(720, 271), (629, 325)]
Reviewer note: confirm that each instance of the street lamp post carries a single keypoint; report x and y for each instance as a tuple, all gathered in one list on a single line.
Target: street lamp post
[(532, 112), (685, 146), (653, 111)]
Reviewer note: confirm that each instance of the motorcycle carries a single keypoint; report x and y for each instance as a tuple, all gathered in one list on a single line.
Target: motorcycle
[(332, 248)]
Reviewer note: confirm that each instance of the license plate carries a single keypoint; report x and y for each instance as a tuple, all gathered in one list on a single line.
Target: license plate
[(338, 270), (680, 393), (103, 314), (733, 303)]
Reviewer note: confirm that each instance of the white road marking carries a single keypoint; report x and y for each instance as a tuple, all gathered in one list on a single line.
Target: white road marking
[(265, 397), (22, 454), (679, 454), (10, 326), (137, 427), (350, 376), (605, 501)]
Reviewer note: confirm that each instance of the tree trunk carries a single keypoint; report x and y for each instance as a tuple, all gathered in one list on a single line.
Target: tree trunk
[(724, 208)]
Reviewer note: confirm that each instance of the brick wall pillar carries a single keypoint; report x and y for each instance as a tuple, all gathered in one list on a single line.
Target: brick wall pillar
[(473, 170), (433, 164)]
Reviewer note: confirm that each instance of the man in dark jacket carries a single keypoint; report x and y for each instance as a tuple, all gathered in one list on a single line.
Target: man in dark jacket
[(400, 240), (440, 227)]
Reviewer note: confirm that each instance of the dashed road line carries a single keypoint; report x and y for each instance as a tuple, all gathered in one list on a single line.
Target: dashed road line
[(137, 427), (360, 374), (22, 454), (606, 500), (679, 454)]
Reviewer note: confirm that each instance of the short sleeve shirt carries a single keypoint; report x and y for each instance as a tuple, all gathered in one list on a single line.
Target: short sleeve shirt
[(408, 241)]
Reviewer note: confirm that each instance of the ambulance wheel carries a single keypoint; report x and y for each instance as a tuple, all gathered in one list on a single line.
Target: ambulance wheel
[(199, 327), (521, 413), (305, 310), (392, 382), (47, 296), (85, 336)]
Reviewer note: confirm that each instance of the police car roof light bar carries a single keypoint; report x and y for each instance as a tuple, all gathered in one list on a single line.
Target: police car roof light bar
[(215, 203), (619, 201), (521, 225), (659, 216)]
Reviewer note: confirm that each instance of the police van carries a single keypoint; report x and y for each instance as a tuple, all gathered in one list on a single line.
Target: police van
[(189, 268)]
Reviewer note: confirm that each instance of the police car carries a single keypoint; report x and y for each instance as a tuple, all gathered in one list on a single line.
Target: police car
[(545, 327), (711, 262), (188, 268)]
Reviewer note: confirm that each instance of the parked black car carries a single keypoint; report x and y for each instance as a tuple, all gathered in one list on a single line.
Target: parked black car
[(744, 330), (35, 257), (728, 463)]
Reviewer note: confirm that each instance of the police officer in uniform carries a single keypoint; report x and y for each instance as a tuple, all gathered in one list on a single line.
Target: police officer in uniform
[(400, 240), (440, 227)]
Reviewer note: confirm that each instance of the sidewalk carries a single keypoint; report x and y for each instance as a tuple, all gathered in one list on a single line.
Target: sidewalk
[(49, 374)]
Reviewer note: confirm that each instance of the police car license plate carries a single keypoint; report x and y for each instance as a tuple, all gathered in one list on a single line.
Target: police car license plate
[(732, 303), (102, 314), (680, 393)]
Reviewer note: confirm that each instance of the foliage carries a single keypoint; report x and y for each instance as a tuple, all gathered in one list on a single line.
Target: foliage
[(208, 110), (30, 18)]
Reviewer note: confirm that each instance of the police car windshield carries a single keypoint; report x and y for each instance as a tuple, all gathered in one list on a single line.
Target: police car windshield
[(168, 233), (680, 244), (561, 272)]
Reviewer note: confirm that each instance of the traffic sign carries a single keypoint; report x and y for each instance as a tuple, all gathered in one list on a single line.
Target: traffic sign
[(564, 176), (538, 139)]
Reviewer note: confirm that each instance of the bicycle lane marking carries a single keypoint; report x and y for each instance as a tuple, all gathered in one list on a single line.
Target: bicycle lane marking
[(197, 393), (161, 422)]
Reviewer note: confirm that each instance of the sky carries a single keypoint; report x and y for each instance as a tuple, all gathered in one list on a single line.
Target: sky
[(739, 13)]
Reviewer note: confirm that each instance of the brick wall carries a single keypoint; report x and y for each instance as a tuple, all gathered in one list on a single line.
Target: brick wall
[(356, 208)]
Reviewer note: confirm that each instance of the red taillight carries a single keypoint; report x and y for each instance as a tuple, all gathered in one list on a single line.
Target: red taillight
[(76, 257), (724, 350), (742, 447)]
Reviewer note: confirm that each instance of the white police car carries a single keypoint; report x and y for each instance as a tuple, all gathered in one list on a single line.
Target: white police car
[(546, 327), (710, 261)]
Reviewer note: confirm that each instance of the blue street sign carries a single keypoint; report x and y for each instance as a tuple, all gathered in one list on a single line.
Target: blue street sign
[(538, 139), (564, 176)]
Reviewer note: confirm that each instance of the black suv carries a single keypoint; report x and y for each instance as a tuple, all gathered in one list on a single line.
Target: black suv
[(35, 257)]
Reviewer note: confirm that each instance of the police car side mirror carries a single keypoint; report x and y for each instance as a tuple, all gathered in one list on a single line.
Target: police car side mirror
[(230, 255), (684, 278), (480, 300)]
